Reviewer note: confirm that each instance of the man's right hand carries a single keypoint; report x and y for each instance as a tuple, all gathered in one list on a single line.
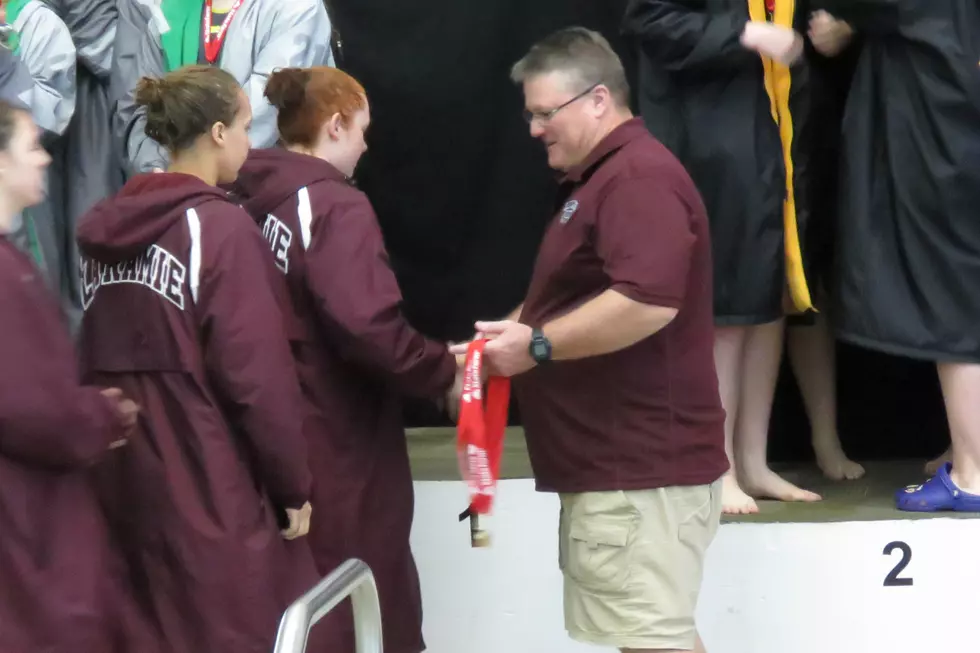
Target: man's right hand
[(779, 43), (299, 522)]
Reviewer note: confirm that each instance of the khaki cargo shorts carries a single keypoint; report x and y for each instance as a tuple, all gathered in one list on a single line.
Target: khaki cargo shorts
[(632, 563)]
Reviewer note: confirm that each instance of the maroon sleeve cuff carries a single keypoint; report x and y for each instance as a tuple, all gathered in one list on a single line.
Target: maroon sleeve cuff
[(295, 497), (445, 374), (431, 375), (293, 501)]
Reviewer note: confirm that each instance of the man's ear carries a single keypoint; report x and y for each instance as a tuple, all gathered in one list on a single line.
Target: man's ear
[(602, 98)]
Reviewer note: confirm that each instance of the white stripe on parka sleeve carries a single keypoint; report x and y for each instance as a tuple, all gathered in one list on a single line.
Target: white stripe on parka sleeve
[(194, 227)]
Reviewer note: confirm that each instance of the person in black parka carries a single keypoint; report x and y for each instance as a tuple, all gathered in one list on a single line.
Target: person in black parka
[(724, 84), (908, 259)]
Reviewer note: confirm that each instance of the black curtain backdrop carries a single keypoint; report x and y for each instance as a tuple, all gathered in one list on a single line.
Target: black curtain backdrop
[(463, 194)]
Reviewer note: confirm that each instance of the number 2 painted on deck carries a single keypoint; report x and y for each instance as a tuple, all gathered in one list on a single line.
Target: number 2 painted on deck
[(892, 579)]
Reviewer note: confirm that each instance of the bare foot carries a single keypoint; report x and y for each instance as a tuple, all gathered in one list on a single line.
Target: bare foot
[(769, 485), (833, 462), (733, 500), (933, 465)]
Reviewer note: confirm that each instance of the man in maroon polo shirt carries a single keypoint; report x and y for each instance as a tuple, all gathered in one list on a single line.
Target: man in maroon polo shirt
[(612, 354)]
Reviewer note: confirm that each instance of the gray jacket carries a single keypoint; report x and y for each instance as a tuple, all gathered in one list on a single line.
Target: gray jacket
[(89, 171), (265, 35), (46, 47), (92, 26)]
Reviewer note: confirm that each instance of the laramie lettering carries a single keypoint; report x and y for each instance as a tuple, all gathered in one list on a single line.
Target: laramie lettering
[(156, 269), (280, 237)]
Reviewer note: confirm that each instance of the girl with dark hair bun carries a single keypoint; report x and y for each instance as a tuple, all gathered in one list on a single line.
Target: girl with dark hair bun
[(360, 354), (53, 540), (180, 298)]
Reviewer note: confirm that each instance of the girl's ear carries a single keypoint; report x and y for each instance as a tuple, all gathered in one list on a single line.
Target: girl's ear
[(335, 126), (218, 133)]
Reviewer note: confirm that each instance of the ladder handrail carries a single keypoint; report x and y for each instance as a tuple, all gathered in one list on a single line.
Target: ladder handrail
[(353, 579)]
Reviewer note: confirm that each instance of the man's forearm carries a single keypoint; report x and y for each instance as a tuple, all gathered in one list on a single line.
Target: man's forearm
[(603, 325)]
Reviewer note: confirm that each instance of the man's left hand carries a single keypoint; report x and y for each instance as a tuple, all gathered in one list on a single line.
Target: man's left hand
[(507, 350)]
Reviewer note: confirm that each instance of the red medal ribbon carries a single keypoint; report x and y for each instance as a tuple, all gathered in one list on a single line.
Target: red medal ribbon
[(213, 47), (481, 430)]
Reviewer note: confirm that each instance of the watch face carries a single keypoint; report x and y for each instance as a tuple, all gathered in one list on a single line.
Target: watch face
[(539, 350)]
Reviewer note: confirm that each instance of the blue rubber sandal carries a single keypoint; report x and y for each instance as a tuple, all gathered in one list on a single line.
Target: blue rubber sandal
[(937, 494)]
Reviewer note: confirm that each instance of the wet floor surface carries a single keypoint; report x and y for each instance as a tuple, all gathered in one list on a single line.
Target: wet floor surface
[(433, 454)]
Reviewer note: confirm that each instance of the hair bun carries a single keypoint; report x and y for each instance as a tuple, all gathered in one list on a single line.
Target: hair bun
[(150, 91), (186, 103), (286, 87)]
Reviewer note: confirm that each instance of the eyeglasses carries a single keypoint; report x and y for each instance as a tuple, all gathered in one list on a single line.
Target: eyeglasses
[(545, 116)]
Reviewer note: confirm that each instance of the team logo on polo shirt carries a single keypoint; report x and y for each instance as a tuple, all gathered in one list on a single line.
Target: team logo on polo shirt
[(568, 211)]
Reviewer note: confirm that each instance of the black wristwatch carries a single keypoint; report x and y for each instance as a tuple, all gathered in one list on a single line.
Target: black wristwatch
[(540, 347)]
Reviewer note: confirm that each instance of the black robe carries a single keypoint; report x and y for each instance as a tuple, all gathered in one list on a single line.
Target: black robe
[(909, 232), (738, 122), (831, 82)]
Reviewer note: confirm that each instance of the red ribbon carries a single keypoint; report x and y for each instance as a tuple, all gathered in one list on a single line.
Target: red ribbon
[(213, 47), (771, 6), (481, 430)]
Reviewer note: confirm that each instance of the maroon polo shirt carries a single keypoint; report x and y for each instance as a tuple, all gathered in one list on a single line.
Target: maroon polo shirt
[(648, 416)]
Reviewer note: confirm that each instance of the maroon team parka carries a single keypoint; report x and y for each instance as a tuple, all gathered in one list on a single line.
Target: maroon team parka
[(180, 311), (54, 547), (359, 356)]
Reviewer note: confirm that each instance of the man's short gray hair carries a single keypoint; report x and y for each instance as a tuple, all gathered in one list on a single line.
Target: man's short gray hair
[(581, 53)]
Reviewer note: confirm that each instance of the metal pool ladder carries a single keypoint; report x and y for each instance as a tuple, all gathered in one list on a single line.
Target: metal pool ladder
[(353, 579)]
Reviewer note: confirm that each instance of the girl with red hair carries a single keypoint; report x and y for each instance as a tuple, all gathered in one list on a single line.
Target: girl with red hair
[(359, 353)]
